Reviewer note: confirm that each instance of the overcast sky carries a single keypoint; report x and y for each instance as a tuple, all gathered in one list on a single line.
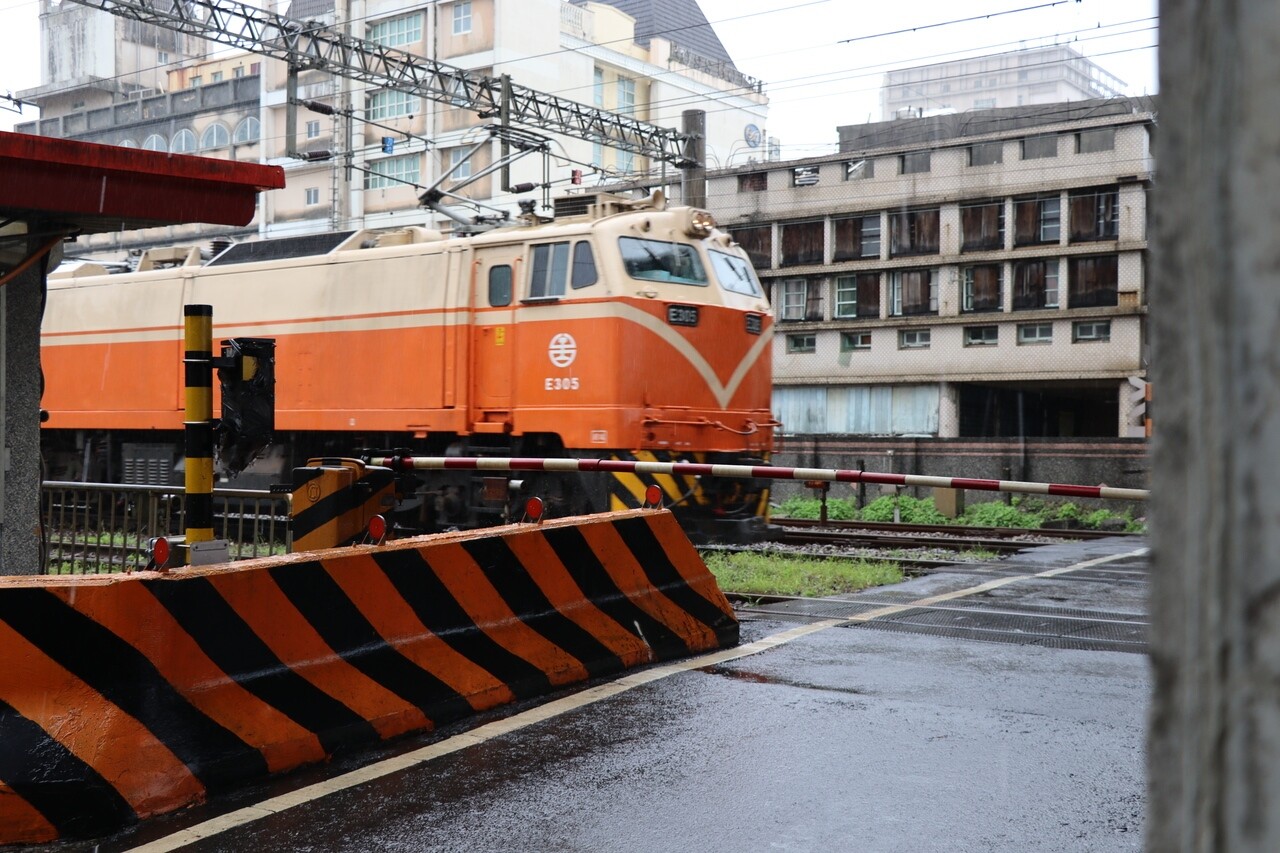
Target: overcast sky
[(814, 81)]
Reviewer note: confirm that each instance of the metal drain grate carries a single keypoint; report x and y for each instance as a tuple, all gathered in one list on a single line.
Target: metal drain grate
[(982, 619)]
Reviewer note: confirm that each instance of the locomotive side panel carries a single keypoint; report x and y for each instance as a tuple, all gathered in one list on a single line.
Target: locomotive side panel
[(112, 353)]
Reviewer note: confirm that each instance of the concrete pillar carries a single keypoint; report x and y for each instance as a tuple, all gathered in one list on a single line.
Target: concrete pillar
[(1214, 748), (948, 410), (20, 418)]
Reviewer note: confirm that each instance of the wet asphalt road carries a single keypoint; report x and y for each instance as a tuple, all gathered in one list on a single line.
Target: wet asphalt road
[(850, 738)]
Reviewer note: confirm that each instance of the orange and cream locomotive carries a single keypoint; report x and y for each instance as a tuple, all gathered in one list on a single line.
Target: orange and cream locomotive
[(620, 329)]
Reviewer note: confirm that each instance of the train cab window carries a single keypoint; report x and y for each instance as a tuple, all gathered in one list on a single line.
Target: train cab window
[(658, 260), (735, 274), (584, 266), (548, 271), (499, 286)]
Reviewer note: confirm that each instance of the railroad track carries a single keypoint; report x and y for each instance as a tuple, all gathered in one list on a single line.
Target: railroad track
[(950, 537)]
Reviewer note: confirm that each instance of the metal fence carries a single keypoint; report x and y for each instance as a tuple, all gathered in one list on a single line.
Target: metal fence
[(96, 528)]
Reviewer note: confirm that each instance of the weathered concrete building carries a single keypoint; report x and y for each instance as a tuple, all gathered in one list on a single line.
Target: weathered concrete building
[(958, 276)]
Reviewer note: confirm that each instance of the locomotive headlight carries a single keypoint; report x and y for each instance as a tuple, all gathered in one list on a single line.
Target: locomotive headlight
[(699, 223)]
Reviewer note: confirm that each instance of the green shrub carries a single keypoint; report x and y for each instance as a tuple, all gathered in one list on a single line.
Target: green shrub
[(910, 510), (999, 514), (799, 506)]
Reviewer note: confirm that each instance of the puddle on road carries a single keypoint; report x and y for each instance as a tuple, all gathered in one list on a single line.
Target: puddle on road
[(757, 678)]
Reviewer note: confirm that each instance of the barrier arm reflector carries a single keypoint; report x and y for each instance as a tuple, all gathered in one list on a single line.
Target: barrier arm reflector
[(759, 472)]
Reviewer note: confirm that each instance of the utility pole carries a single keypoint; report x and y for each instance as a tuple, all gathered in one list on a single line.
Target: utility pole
[(694, 180)]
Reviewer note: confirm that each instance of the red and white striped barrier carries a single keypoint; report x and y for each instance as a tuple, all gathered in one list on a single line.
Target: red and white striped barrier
[(764, 472)]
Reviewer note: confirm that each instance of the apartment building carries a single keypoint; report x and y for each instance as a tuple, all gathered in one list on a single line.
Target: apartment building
[(650, 59), (1027, 77), (979, 274)]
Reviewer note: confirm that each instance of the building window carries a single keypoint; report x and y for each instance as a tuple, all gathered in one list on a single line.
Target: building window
[(162, 57), (801, 299), (626, 161), (802, 343), (851, 341), (1092, 141), (390, 103), (1039, 147), (802, 243), (247, 131), (313, 195), (626, 90), (856, 237), (984, 104), (753, 182), (313, 129), (1037, 220), (194, 81), (237, 72), (986, 153), (804, 176), (184, 142), (914, 339), (392, 172), (255, 67), (155, 142), (913, 232), (981, 336), (1035, 333), (913, 163), (459, 164), (215, 77), (982, 226), (1091, 330), (597, 87), (462, 17), (757, 242), (396, 31), (1092, 281), (858, 295), (983, 288), (215, 135), (1035, 284), (913, 292), (1095, 214), (127, 143), (856, 170)]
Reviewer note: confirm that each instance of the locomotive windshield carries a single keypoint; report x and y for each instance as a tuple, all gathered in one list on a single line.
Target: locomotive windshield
[(658, 260), (735, 274)]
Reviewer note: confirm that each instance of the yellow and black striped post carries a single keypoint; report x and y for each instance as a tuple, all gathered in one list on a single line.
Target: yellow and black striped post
[(198, 426)]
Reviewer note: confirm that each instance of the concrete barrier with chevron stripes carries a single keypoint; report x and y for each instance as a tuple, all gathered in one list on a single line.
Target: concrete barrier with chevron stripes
[(130, 695)]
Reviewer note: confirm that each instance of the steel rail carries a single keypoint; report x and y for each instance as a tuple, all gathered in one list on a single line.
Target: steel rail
[(758, 472)]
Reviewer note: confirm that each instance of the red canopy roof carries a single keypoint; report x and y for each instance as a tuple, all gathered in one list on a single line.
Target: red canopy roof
[(106, 188)]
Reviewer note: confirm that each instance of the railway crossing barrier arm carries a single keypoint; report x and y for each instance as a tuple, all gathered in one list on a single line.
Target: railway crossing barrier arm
[(765, 472)]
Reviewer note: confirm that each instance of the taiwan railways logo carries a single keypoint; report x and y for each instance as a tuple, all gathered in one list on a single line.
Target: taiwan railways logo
[(563, 350)]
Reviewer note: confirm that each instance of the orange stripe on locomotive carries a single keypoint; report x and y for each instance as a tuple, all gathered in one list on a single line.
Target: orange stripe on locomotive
[(404, 338)]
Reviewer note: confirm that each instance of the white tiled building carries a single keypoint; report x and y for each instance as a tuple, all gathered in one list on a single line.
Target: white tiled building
[(961, 275), (651, 59), (1027, 77)]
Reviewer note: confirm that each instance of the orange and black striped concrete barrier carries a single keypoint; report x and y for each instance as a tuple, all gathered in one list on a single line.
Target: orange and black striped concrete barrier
[(127, 696)]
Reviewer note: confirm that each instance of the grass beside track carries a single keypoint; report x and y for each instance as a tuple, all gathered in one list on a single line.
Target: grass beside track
[(777, 574)]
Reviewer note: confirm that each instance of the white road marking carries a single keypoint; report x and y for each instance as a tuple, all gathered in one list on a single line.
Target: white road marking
[(581, 699)]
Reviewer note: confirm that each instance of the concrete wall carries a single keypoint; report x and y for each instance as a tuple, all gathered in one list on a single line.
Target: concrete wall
[(20, 418), (1215, 294), (1081, 461)]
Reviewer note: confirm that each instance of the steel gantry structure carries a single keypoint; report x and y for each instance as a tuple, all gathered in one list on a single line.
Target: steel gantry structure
[(308, 46)]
